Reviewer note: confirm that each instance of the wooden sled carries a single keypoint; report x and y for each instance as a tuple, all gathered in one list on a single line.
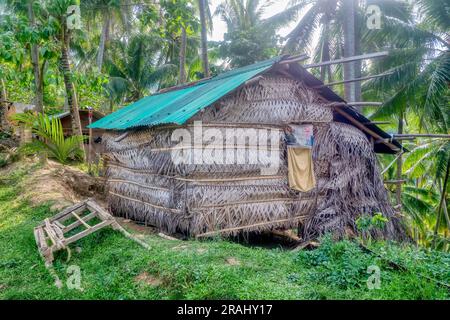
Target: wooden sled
[(57, 232)]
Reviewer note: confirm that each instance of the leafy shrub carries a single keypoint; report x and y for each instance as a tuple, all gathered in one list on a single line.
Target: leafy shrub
[(431, 263), (3, 160), (367, 223), (342, 264), (4, 135), (9, 156), (51, 138)]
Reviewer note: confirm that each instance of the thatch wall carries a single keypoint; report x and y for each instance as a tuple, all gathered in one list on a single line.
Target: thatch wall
[(144, 184)]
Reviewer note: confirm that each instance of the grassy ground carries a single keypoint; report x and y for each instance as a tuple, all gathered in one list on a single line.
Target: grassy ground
[(113, 267)]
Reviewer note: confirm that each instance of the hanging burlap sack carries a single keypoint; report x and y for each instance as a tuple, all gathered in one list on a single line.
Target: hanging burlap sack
[(300, 169)]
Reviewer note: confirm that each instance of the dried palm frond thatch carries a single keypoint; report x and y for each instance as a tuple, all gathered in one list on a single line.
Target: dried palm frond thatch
[(144, 184)]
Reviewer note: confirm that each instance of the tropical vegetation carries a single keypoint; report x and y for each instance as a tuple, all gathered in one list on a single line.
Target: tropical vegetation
[(104, 54)]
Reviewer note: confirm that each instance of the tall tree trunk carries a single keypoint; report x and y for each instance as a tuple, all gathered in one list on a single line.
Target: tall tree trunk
[(3, 104), (201, 5), (183, 40), (398, 190), (444, 208), (38, 76), (441, 202), (103, 39), (349, 7), (126, 16), (326, 51), (357, 64), (70, 89)]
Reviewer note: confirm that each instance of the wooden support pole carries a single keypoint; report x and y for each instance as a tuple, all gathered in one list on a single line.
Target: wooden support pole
[(367, 130), (90, 141), (167, 237), (421, 135), (348, 59), (355, 104), (292, 59), (365, 104), (81, 220), (353, 80), (394, 181), (403, 138), (378, 122)]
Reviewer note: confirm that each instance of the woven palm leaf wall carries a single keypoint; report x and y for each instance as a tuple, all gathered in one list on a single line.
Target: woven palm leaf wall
[(144, 184)]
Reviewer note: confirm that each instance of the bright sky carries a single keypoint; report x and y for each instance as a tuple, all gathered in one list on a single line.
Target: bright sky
[(220, 26)]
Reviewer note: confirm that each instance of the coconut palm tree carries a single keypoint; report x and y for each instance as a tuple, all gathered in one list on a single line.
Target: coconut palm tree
[(425, 200), (110, 12), (57, 10), (180, 24), (417, 90), (133, 68), (25, 8), (205, 24), (420, 68), (38, 73), (249, 37), (339, 25)]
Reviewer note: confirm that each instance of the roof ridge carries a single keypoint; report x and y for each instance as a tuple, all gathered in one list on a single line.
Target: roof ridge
[(223, 75)]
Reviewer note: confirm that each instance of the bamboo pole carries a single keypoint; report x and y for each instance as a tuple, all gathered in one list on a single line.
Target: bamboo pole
[(293, 59), (210, 233), (352, 80), (348, 59), (355, 103), (365, 104), (367, 130), (394, 181), (404, 138), (90, 114), (421, 135), (378, 122)]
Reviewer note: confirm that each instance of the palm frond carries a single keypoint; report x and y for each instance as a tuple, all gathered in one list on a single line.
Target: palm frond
[(300, 37), (51, 137), (438, 12)]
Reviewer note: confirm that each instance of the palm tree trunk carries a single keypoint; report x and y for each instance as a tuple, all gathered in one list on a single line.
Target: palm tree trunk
[(3, 104), (183, 40), (446, 216), (38, 76), (103, 39), (70, 89), (398, 189), (326, 51), (441, 202), (204, 40), (349, 48)]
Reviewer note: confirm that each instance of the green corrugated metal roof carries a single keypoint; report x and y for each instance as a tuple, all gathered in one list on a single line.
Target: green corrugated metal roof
[(178, 105)]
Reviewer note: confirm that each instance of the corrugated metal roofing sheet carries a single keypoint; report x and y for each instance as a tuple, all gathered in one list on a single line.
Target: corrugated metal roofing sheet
[(178, 105)]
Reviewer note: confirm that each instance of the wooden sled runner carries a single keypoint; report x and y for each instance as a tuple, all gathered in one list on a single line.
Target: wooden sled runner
[(57, 232)]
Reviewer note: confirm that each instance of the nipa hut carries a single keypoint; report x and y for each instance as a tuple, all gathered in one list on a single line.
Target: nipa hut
[(146, 183)]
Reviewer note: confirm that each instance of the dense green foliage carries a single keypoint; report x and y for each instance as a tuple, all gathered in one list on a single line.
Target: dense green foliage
[(124, 51)]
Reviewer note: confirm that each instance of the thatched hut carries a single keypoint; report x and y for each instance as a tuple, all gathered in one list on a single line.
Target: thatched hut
[(146, 183)]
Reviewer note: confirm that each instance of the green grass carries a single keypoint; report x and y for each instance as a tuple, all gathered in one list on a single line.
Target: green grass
[(110, 263)]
